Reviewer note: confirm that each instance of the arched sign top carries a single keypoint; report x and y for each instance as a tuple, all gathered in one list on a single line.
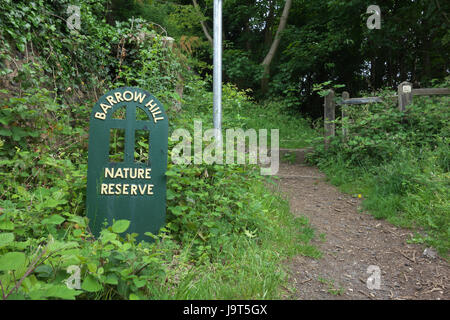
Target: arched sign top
[(119, 97), (120, 184)]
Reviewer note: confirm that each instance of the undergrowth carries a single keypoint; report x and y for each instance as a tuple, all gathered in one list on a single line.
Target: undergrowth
[(227, 234), (399, 162)]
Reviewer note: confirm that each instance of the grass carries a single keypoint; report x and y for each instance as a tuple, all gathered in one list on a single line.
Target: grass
[(295, 132), (232, 207), (401, 194), (332, 288), (255, 269), (255, 266), (239, 111), (227, 234), (399, 163)]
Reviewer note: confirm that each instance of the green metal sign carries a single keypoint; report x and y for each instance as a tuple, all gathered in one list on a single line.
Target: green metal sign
[(127, 162)]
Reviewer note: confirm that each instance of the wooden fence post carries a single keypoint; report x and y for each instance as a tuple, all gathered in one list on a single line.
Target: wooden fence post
[(345, 96), (328, 116), (405, 95)]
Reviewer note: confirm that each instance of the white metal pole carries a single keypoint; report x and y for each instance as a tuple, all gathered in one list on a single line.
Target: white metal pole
[(217, 73)]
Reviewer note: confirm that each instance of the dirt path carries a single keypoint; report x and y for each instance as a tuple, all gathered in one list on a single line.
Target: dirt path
[(351, 241)]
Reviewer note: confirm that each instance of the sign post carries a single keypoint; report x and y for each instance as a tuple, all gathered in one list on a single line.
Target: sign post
[(130, 183), (217, 71)]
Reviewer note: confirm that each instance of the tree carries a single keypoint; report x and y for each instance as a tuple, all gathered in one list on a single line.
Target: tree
[(273, 48), (204, 28)]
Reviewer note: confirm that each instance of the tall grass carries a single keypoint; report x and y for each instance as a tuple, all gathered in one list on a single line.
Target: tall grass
[(253, 269)]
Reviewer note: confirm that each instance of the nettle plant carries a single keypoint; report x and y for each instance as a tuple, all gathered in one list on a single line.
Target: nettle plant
[(323, 89), (110, 267)]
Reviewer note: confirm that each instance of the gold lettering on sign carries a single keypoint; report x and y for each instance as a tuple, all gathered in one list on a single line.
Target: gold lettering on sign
[(154, 109), (119, 173), (139, 96), (140, 173), (100, 115), (118, 96), (105, 107), (118, 189), (111, 100), (126, 96), (128, 173), (109, 172), (126, 189), (130, 96)]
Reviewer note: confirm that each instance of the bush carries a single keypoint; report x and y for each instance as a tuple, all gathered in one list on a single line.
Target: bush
[(226, 233), (399, 161)]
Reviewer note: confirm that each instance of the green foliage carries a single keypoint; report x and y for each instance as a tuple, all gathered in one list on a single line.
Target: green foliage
[(399, 162), (240, 111), (148, 63), (157, 14), (241, 69), (38, 29), (323, 89), (329, 40), (323, 40), (226, 233)]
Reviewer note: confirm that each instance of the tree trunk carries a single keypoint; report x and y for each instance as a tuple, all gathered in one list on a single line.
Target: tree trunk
[(205, 29), (273, 48)]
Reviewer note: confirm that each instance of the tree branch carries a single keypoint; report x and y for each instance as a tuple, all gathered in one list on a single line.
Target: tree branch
[(30, 269), (3, 291), (205, 30), (273, 48)]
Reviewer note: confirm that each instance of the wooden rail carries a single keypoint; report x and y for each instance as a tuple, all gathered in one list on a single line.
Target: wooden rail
[(430, 92), (405, 94)]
